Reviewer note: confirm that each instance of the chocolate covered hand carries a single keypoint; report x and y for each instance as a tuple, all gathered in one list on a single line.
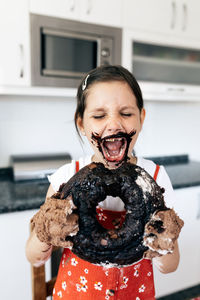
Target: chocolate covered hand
[(161, 232), (55, 221)]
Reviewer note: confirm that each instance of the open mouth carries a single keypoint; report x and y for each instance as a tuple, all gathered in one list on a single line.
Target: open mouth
[(114, 147)]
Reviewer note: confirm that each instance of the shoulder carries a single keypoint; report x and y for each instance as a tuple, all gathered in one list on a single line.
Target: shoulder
[(150, 167), (146, 164), (163, 179), (65, 172)]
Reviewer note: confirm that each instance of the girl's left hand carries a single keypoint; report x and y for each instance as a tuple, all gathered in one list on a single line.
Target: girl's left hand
[(161, 232), (55, 221)]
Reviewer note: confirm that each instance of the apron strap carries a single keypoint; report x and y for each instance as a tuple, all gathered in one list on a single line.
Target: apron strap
[(156, 172), (77, 166)]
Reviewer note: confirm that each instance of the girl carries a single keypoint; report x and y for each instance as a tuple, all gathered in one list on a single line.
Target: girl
[(110, 114)]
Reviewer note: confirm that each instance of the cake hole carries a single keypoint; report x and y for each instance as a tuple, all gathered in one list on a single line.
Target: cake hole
[(112, 203), (115, 217)]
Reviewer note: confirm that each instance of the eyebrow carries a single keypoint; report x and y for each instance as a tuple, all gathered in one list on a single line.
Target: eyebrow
[(101, 109), (97, 110), (128, 107)]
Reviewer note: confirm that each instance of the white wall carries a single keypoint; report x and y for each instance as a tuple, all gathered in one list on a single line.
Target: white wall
[(45, 125), (171, 128), (32, 125)]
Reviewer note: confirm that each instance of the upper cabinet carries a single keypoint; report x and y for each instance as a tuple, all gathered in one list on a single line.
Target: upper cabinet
[(14, 50), (102, 12), (62, 9), (91, 11), (190, 18), (173, 17)]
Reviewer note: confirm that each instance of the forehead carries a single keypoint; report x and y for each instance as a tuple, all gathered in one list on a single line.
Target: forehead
[(110, 93)]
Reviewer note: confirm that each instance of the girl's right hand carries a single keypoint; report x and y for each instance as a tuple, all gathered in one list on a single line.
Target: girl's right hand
[(162, 232), (55, 221)]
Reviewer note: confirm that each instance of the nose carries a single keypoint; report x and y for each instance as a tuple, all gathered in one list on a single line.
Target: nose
[(114, 125)]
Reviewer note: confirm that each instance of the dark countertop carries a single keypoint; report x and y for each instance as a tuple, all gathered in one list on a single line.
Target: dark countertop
[(20, 196), (182, 172)]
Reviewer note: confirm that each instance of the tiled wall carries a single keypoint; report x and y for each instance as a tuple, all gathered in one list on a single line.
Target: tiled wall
[(45, 125)]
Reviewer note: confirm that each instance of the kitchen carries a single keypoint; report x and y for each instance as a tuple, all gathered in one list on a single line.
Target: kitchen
[(37, 120)]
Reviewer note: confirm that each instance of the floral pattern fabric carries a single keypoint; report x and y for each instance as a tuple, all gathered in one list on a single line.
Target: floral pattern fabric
[(79, 279)]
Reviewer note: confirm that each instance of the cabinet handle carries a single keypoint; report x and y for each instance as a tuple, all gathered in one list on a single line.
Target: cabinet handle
[(21, 57), (171, 89), (89, 7), (185, 17), (173, 18), (72, 5)]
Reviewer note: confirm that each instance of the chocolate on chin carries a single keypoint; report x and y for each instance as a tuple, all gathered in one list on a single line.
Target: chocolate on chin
[(114, 148), (141, 196)]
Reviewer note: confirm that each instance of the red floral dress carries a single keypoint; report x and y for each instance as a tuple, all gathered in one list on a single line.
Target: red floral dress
[(79, 279)]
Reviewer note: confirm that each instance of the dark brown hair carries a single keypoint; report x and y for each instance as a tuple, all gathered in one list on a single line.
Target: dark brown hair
[(105, 74)]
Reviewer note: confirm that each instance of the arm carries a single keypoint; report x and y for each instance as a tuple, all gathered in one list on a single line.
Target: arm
[(38, 252), (169, 262)]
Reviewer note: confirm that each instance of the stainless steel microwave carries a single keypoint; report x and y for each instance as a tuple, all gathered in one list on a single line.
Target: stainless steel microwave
[(62, 51)]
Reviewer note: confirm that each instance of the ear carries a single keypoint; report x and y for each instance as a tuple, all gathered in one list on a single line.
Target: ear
[(142, 116), (80, 125)]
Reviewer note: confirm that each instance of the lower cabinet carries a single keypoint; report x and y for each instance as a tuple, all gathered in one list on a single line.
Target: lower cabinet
[(15, 270), (187, 205)]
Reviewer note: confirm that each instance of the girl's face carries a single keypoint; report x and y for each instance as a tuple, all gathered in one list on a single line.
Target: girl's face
[(111, 120)]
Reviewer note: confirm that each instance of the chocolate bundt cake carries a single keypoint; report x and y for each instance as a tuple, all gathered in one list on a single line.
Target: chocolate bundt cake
[(141, 196)]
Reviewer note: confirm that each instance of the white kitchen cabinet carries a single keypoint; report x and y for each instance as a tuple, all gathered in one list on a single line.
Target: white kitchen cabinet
[(102, 12), (14, 36), (147, 14), (189, 24), (172, 17), (187, 205), (91, 11), (164, 78), (15, 271), (62, 9)]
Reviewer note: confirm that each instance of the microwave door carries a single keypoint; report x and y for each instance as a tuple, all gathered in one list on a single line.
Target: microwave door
[(66, 54)]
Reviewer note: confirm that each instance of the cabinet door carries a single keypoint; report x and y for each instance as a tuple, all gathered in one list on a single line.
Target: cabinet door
[(152, 15), (101, 12), (15, 274), (189, 18), (62, 9), (14, 36), (187, 205)]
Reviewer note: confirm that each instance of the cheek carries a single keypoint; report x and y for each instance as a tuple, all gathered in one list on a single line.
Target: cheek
[(138, 124), (133, 141)]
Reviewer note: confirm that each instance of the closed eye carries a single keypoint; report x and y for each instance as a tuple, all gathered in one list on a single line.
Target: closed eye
[(126, 114), (99, 117)]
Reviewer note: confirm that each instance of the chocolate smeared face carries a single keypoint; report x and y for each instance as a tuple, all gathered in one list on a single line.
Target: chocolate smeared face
[(111, 122), (114, 148)]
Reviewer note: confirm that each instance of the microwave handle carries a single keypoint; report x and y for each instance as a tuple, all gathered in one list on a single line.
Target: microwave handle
[(21, 61)]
